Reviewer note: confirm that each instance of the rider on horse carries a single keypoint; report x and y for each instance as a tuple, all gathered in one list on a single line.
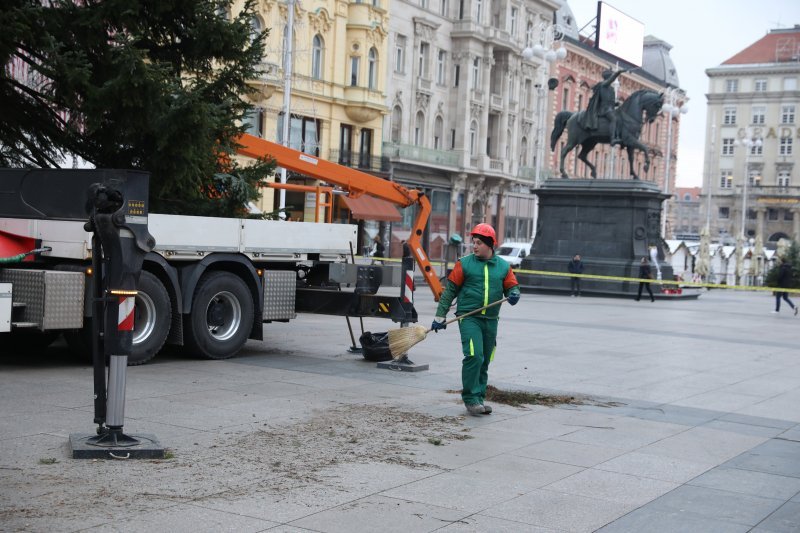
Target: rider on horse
[(602, 104)]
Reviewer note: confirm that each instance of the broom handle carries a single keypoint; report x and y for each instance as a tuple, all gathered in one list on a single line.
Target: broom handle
[(476, 311)]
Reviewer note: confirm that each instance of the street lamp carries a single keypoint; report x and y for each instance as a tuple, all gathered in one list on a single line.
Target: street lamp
[(549, 34), (749, 143), (672, 110)]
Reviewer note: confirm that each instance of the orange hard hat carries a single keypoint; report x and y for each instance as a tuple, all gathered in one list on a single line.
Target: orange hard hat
[(485, 230)]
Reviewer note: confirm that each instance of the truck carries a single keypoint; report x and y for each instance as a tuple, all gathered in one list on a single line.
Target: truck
[(209, 284)]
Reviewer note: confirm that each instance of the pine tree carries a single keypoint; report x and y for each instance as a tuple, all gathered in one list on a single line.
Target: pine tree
[(154, 85), (793, 256)]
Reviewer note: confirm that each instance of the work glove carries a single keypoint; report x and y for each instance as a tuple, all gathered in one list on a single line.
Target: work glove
[(513, 298), (438, 323)]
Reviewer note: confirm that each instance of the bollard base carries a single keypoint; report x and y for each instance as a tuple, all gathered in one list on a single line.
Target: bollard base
[(403, 364), (92, 446)]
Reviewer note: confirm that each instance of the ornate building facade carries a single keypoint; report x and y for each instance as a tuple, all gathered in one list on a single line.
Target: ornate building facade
[(752, 135), (462, 113), (339, 52)]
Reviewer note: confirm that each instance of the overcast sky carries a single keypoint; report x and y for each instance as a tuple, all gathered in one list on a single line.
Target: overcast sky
[(703, 34)]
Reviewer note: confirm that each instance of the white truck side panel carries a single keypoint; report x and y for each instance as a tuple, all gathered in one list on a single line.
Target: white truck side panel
[(180, 237)]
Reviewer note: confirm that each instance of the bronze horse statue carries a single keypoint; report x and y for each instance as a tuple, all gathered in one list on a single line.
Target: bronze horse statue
[(629, 127)]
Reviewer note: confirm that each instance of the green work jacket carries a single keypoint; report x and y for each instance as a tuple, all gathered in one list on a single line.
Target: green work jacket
[(478, 282)]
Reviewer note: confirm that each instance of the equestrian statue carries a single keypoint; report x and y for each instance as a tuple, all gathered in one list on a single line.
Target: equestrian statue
[(603, 122)]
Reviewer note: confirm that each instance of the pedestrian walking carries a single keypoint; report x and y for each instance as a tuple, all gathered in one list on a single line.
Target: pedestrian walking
[(575, 266), (478, 279), (645, 273), (785, 281)]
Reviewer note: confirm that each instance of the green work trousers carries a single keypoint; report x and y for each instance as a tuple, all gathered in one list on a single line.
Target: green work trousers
[(478, 341)]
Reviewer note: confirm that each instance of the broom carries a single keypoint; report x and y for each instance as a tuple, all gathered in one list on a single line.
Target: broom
[(403, 339)]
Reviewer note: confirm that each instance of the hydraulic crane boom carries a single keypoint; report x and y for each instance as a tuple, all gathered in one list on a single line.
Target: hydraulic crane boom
[(356, 183)]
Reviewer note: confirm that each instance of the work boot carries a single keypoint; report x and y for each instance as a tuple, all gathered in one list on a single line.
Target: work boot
[(475, 409), (487, 409)]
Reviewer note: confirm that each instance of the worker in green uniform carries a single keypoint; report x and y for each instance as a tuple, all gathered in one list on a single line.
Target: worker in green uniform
[(477, 280)]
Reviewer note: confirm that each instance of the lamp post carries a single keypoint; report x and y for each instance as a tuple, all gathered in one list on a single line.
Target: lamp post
[(672, 110), (549, 34), (749, 143)]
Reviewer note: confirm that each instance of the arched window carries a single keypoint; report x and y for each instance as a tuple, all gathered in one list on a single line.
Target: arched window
[(523, 152), (372, 58), (317, 56), (397, 123), (438, 133), (255, 28), (419, 129)]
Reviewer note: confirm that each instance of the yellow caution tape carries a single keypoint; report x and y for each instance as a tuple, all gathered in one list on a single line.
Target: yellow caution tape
[(682, 284)]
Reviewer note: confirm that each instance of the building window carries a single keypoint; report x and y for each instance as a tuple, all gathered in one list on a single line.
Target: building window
[(760, 85), (303, 133), (789, 84), (443, 8), (788, 215), (424, 51), (400, 54), (727, 146), (473, 137), (372, 69), (726, 179), (529, 94), (514, 16), (759, 114), (478, 11), (731, 86), (345, 144), (529, 35), (772, 214), (787, 114), (438, 131), (254, 122), (785, 147), (355, 63), (757, 149), (476, 73), (729, 116), (397, 124), (724, 212), (460, 9), (754, 178), (565, 99), (456, 74), (784, 178), (441, 64), (365, 157), (419, 129), (423, 4), (452, 139), (316, 58)]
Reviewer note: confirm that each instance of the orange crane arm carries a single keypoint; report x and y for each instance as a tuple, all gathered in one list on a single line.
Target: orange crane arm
[(356, 183)]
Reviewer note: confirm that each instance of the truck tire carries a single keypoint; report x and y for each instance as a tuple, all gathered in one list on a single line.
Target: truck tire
[(221, 317), (152, 320)]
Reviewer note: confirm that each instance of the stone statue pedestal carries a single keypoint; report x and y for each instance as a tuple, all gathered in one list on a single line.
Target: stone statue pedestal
[(612, 224)]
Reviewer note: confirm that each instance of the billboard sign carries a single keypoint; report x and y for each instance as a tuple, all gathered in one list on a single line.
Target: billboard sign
[(619, 35)]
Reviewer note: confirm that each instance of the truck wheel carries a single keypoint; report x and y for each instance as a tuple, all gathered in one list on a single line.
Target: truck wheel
[(221, 317), (152, 320)]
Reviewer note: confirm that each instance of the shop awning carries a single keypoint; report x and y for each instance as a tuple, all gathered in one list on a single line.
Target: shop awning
[(367, 207)]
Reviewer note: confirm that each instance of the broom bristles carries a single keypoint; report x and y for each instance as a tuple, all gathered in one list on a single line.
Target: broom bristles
[(403, 339)]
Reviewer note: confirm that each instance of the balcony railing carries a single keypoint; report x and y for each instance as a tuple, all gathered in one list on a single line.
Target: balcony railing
[(420, 154), (349, 158), (775, 190)]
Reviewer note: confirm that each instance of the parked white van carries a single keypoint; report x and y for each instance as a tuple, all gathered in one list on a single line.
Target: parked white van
[(514, 252)]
